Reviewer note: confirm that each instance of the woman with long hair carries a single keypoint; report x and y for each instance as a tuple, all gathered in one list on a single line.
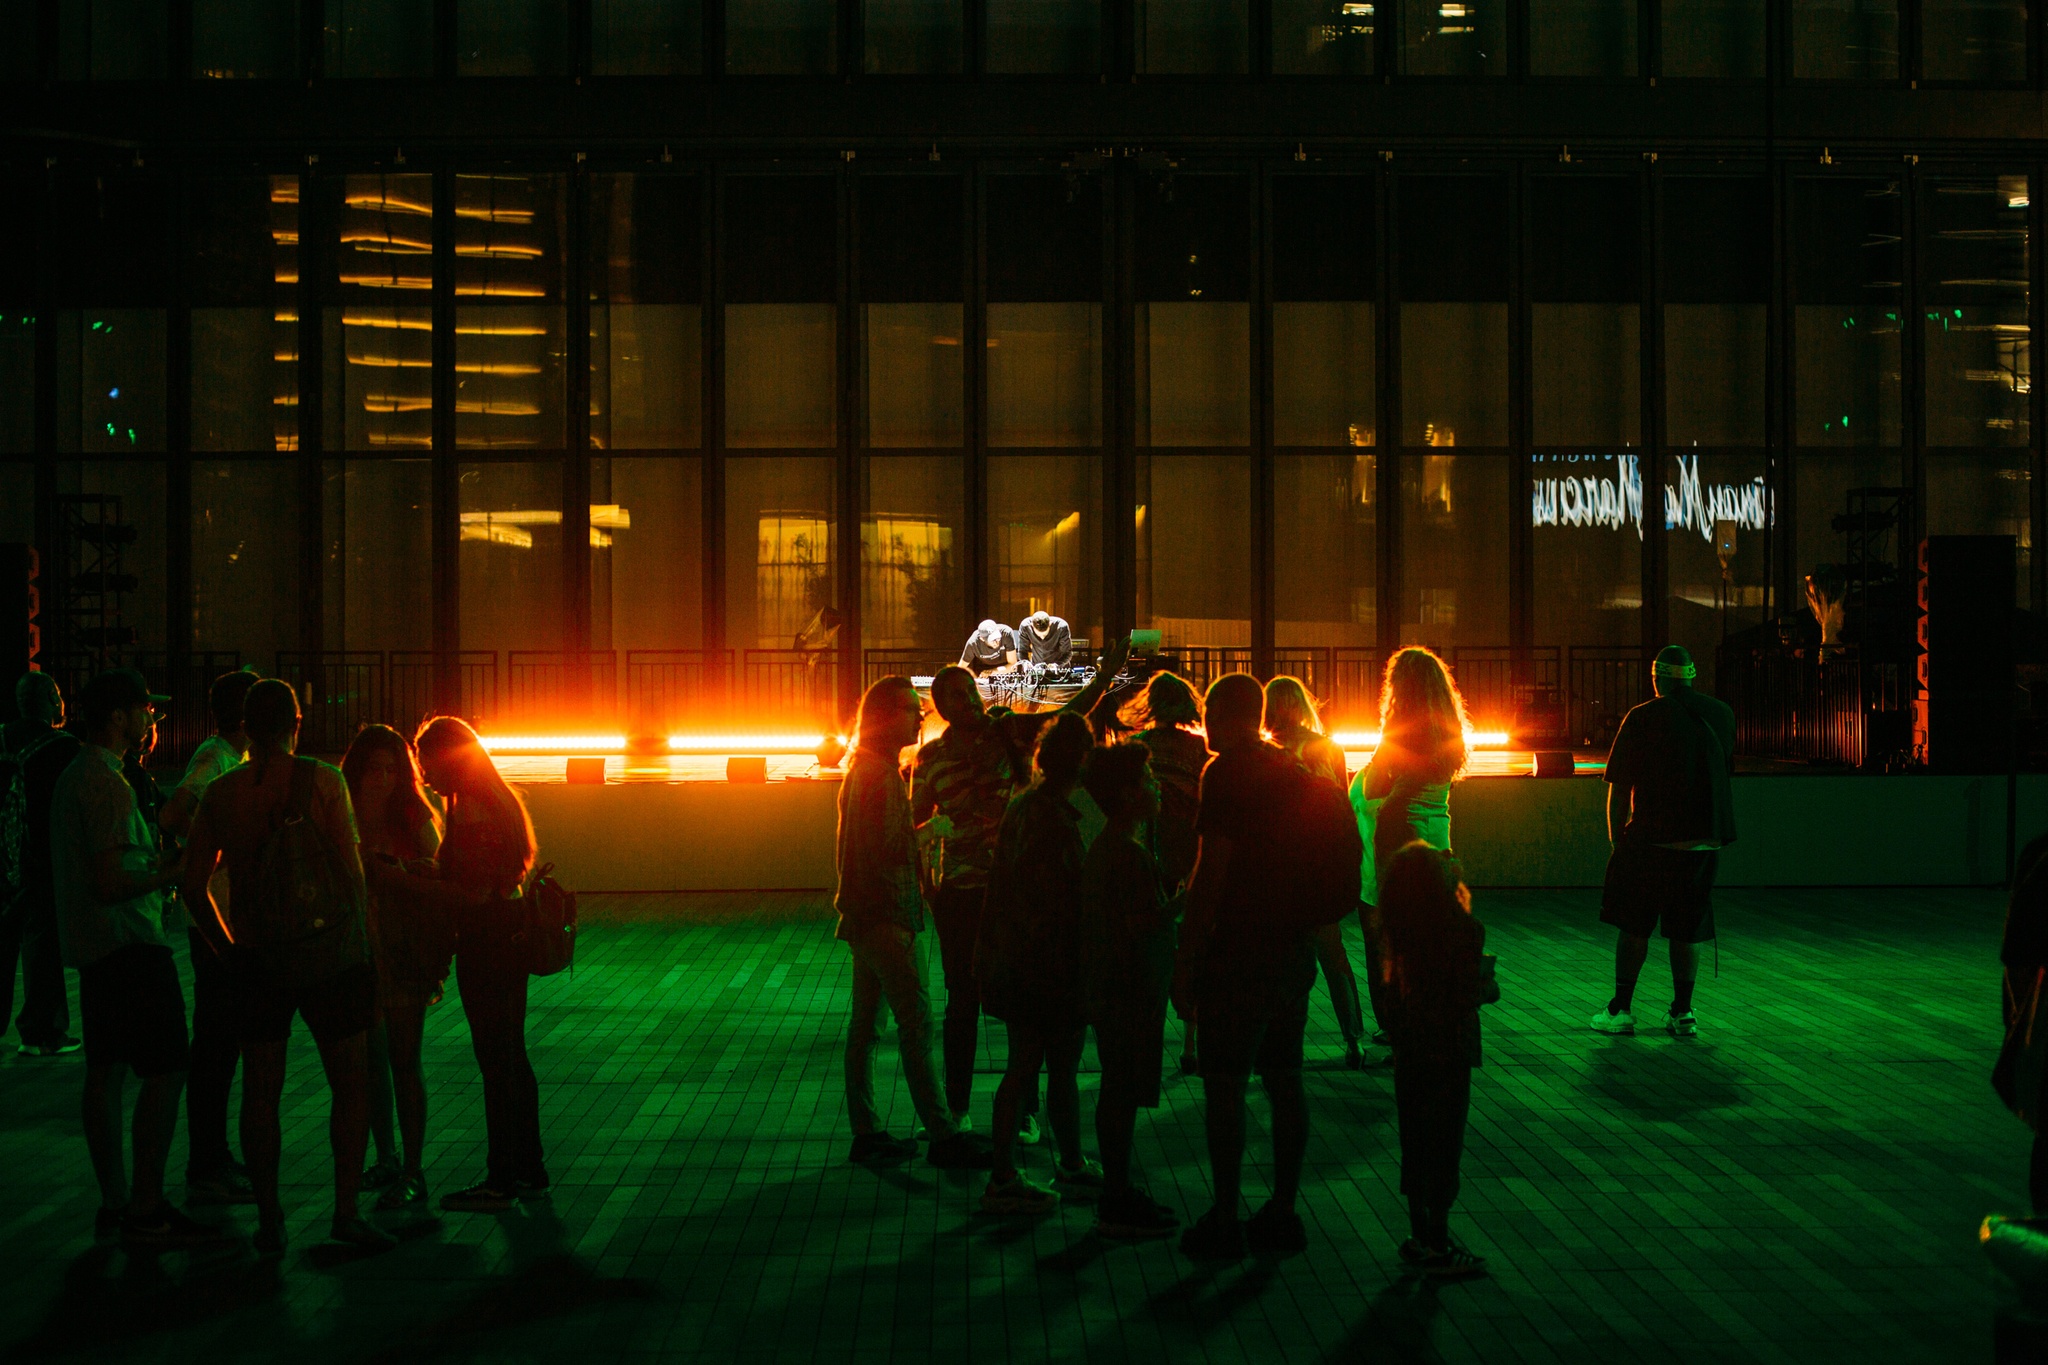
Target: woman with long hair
[(1404, 792), (1292, 721), (412, 937), (486, 855), (1167, 719)]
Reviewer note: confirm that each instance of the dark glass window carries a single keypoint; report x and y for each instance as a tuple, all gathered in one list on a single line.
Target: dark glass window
[(1193, 326), (21, 273), (113, 40), (1973, 40), (1044, 37), (1974, 324), (646, 555), (781, 37), (20, 49), (1454, 549), (1325, 37), (1044, 311), (1717, 277), (1454, 37), (911, 543), (379, 554), (511, 563), (245, 39), (1854, 40), (646, 320), (244, 287), (913, 37), (511, 37), (910, 287), (17, 502), (1715, 39), (245, 557), (646, 37), (1453, 252), (1045, 539), (1190, 37), (1582, 37), (1324, 338), (781, 516), (1194, 549), (1325, 559), (1846, 274), (137, 488), (377, 321), (781, 319), (113, 272), (1985, 494), (510, 323), (379, 38)]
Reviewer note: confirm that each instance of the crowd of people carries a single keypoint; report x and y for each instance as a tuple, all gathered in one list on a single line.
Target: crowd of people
[(341, 896), (1125, 860)]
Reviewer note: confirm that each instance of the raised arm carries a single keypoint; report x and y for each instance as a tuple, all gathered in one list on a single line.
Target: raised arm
[(1113, 660)]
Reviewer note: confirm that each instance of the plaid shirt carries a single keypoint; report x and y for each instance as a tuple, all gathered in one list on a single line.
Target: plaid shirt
[(876, 854), (966, 774)]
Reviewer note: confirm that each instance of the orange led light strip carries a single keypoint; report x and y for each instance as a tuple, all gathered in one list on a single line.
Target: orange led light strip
[(743, 744), (1356, 740), (547, 744), (674, 744)]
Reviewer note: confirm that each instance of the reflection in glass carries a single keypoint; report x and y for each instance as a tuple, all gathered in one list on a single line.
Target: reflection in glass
[(1045, 539), (645, 388), (912, 586), (1714, 374), (1324, 378), (113, 40), (781, 368), (1195, 359), (1044, 374), (1587, 548), (1454, 554), (1822, 480), (1846, 331), (780, 37), (380, 378), (1585, 374), (110, 380), (1985, 495), (379, 38), (1974, 324), (245, 362), (646, 37), (913, 37), (245, 557), (1983, 41), (1324, 37), (17, 381), (1044, 37), (911, 352), (511, 37), (378, 589), (1325, 563), (511, 558), (646, 553), (1190, 37), (780, 515), (139, 484), (1195, 549), (1853, 40), (1454, 374), (245, 39), (509, 377), (1712, 597), (1454, 37), (1582, 37), (1713, 39)]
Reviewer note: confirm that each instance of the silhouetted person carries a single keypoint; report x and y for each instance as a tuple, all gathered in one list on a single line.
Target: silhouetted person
[(36, 751), (881, 921), (1252, 973), (1292, 721), (484, 859), (1670, 810), (2024, 953), (296, 937), (1167, 720), (110, 889), (1436, 980)]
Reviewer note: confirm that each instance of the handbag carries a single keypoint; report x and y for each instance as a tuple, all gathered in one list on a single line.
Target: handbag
[(2016, 1076), (547, 930), (1489, 981)]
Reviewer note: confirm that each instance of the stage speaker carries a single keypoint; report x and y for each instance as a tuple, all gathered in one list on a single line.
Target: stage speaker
[(20, 634), (1963, 715), (1554, 763), (585, 772), (746, 768)]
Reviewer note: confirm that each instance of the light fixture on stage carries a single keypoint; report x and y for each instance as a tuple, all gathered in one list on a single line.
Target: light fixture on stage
[(1358, 741), (553, 744)]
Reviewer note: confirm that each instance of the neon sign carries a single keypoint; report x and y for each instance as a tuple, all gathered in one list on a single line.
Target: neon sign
[(1613, 497)]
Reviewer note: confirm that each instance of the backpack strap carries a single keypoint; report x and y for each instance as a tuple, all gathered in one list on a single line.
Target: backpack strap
[(298, 803)]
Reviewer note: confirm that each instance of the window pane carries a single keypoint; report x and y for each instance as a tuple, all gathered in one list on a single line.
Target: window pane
[(379, 351), (245, 557), (912, 355), (385, 241), (1044, 374), (781, 37), (781, 375), (17, 503), (1195, 549), (645, 389), (17, 382), (1454, 374), (1324, 375), (1190, 37), (1714, 374), (1721, 39), (379, 590), (1582, 37), (1454, 550), (139, 487), (1845, 39), (113, 40), (1195, 364), (913, 37), (1846, 277), (1720, 500), (1585, 373), (1985, 495), (19, 58), (245, 39), (1587, 548), (1044, 37), (245, 367), (646, 554), (1975, 326), (1045, 539), (780, 516), (1326, 557), (1324, 37), (646, 235), (511, 561), (1454, 37), (1822, 480), (379, 38), (646, 37), (511, 37), (1973, 40), (912, 588), (110, 380), (509, 377)]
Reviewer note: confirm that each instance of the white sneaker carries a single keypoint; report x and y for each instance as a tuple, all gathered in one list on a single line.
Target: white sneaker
[(1027, 1131), (1603, 1022), (1682, 1025)]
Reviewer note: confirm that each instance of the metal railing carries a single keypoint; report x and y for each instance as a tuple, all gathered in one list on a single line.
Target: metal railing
[(543, 686), (1602, 683), (1789, 705), (793, 685), (667, 687), (1494, 682), (340, 691)]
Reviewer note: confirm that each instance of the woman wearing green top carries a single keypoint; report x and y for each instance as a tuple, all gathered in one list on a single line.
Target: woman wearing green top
[(1404, 793)]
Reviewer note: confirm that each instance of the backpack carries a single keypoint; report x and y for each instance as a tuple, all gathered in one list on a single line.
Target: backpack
[(300, 917), (1321, 851), (548, 932)]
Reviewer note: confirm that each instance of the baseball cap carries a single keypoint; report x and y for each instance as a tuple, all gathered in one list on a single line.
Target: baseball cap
[(116, 690)]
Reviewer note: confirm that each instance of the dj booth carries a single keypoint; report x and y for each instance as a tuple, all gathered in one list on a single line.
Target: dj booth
[(1027, 688)]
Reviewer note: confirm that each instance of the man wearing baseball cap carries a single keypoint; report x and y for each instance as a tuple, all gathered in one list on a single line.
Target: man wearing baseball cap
[(110, 892), (1670, 810)]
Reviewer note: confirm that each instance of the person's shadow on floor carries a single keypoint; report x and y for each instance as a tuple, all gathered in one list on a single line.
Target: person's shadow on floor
[(112, 1298), (1659, 1078), (1398, 1329)]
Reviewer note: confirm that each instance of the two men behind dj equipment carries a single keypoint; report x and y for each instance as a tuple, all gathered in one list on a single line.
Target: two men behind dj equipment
[(1043, 640)]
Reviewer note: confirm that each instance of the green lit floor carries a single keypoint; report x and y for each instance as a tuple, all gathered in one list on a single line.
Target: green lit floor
[(1802, 1183)]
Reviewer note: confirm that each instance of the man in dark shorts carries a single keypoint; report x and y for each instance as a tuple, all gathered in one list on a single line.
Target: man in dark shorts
[(234, 825), (1252, 973), (109, 884), (1670, 810)]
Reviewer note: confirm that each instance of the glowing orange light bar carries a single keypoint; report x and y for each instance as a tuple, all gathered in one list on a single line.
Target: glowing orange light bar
[(744, 744), (537, 744), (1356, 740)]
